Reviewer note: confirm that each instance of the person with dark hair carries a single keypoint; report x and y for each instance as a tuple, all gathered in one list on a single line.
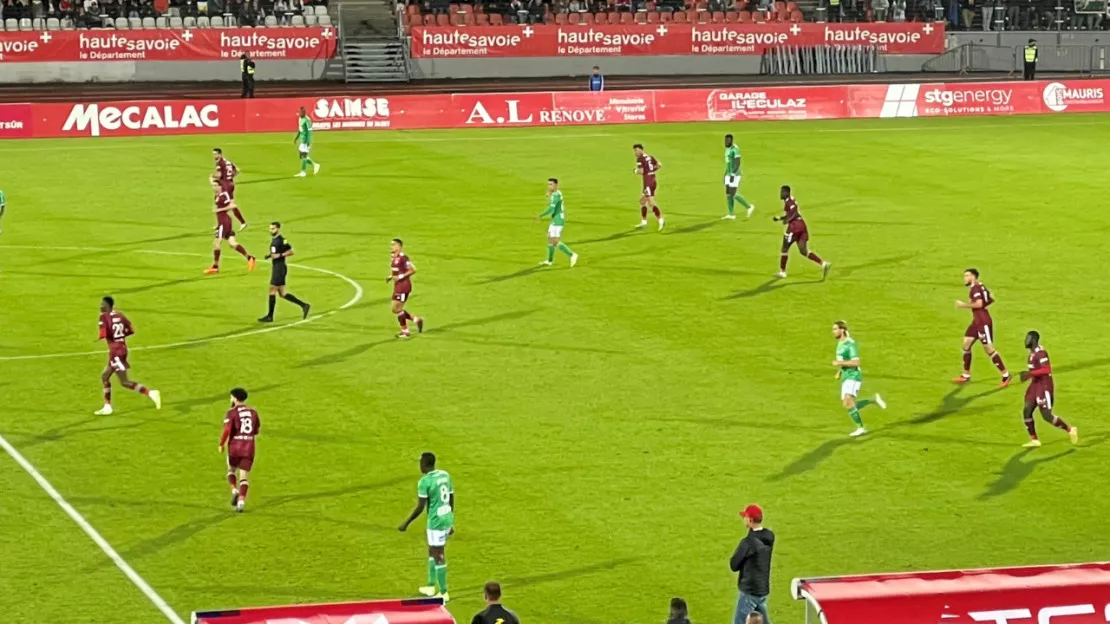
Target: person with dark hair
[(435, 493), (851, 377), (755, 617), (980, 300), (401, 270), (556, 211), (752, 560), (1041, 393), (679, 613), (797, 233), (597, 81), (280, 249), (241, 426), (114, 329), (494, 613)]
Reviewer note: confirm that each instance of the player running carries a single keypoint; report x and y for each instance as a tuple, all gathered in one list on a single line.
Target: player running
[(732, 180), (981, 327), (851, 377), (1041, 393), (557, 211), (796, 233), (434, 492), (401, 270), (303, 140), (647, 166), (3, 207), (224, 175), (280, 249), (224, 231), (241, 426), (114, 329)]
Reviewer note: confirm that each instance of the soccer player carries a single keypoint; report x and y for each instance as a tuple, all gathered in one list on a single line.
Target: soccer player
[(732, 180), (224, 231), (303, 140), (434, 492), (225, 175), (1041, 393), (647, 166), (241, 426), (401, 270), (851, 377), (982, 327), (280, 249), (114, 329), (557, 211), (3, 205), (796, 233)]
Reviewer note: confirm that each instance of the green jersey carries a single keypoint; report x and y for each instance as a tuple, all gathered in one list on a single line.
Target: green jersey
[(732, 160), (3, 200), (555, 209), (436, 488), (304, 134), (847, 350)]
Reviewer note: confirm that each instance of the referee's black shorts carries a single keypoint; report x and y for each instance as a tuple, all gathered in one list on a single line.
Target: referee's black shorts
[(277, 276)]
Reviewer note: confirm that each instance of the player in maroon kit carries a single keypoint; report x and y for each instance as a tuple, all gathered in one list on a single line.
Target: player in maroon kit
[(224, 205), (225, 175), (647, 166), (796, 233), (400, 273), (1041, 393), (981, 328), (114, 329), (241, 426)]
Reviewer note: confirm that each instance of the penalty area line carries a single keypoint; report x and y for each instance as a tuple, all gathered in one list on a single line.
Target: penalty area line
[(93, 534)]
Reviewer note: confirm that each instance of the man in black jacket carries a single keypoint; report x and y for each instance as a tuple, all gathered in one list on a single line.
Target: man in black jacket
[(494, 613), (752, 560), (679, 612)]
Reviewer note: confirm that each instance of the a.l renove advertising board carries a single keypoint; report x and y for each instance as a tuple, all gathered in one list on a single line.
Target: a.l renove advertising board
[(491, 110)]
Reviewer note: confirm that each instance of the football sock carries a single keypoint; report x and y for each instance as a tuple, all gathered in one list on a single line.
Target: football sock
[(403, 321), (743, 202), (273, 302), (997, 360), (862, 403), (431, 572), (643, 212), (406, 315), (813, 256), (137, 387), (215, 258), (967, 361), (243, 250), (310, 161), (441, 573), (108, 393), (1060, 424), (1031, 427), (293, 299), (243, 486), (563, 248), (550, 253), (231, 481), (656, 212), (854, 414), (782, 262), (238, 215), (731, 204), (304, 164)]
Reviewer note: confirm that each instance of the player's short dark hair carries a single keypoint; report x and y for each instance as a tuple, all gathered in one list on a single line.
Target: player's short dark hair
[(555, 180), (217, 150), (276, 224), (755, 617), (678, 607), (842, 325), (973, 271), (109, 300), (240, 394), (637, 146), (428, 458), (786, 187), (1034, 334), (728, 136), (399, 242), (596, 67), (492, 590)]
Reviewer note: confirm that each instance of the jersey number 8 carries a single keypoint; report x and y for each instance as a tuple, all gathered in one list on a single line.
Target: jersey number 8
[(444, 494)]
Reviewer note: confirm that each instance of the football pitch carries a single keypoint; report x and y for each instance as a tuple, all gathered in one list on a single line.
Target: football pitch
[(603, 424)]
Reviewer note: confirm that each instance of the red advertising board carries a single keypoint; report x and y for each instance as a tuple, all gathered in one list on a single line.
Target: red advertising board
[(198, 44), (1063, 594), (668, 39), (490, 110), (416, 611)]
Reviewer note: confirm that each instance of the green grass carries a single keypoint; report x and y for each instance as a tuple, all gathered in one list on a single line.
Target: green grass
[(604, 424)]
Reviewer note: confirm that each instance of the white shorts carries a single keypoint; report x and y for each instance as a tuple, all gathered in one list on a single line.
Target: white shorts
[(437, 538), (554, 231), (304, 148), (732, 181), (849, 387)]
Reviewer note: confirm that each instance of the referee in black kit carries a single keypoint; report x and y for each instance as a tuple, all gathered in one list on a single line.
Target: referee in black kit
[(280, 249), (494, 613)]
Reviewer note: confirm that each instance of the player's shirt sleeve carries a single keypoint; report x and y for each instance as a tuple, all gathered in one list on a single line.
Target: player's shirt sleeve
[(102, 327), (422, 488)]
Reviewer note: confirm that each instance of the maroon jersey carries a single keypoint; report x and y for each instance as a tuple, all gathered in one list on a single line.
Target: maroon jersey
[(648, 166), (399, 264), (979, 292), (1041, 388), (790, 212), (1038, 359), (115, 328), (223, 218), (241, 425), (226, 170)]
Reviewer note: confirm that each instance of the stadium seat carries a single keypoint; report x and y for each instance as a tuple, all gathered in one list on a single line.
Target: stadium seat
[(11, 24), (701, 7), (587, 18), (796, 16), (121, 23), (218, 21), (324, 20), (323, 10), (652, 17), (731, 17), (38, 23), (614, 17), (666, 17), (452, 8), (692, 16), (650, 6), (561, 19), (745, 17), (639, 17), (203, 22), (481, 19), (495, 19), (717, 17), (175, 22), (297, 21), (413, 9), (791, 6), (53, 23), (406, 19), (703, 17), (150, 22), (191, 22), (429, 20), (574, 18), (679, 17), (135, 23), (25, 24), (310, 20), (67, 24), (627, 18), (442, 20)]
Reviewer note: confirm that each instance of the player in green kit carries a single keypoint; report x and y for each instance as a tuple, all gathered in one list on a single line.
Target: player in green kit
[(851, 377), (732, 180), (434, 492), (303, 140), (3, 204), (558, 214)]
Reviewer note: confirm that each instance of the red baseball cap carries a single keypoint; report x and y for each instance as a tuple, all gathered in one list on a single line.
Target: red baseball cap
[(755, 512)]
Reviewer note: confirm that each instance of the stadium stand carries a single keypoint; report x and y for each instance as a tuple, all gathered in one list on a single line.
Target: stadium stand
[(27, 15)]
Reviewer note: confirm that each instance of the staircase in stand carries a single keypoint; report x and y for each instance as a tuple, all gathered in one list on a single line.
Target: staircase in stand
[(372, 48)]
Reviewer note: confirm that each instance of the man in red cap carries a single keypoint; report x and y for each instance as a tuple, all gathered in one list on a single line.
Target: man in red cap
[(752, 562)]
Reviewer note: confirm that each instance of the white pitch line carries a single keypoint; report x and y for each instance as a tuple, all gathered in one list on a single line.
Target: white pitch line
[(99, 540), (186, 343)]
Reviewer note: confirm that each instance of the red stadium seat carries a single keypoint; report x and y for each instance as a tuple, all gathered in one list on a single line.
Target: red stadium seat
[(731, 17), (791, 6), (692, 16), (640, 17), (481, 19), (703, 17), (413, 9), (406, 19), (574, 18), (469, 17), (408, 30), (587, 18), (745, 17), (495, 19), (626, 18), (561, 19), (650, 6), (717, 17), (701, 6), (452, 8), (652, 17), (443, 20), (457, 20), (666, 17), (601, 18), (429, 20), (796, 16), (679, 17), (776, 7), (614, 18)]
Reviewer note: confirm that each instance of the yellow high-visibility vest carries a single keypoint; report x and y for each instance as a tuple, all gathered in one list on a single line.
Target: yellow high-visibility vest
[(243, 68), (1030, 53)]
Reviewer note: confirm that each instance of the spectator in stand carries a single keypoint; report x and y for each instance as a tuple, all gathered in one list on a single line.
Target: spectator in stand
[(519, 13), (835, 10), (249, 14), (880, 8), (624, 6), (967, 13), (576, 6), (679, 613), (536, 11), (899, 7), (597, 81), (281, 10), (987, 7)]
